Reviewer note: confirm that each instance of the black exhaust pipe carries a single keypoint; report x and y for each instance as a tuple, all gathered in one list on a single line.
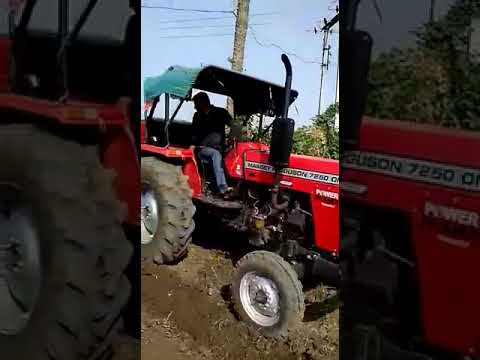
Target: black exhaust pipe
[(282, 137), (288, 84), (282, 130), (355, 50)]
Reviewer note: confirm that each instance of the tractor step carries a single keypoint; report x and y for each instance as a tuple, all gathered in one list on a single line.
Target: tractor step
[(219, 203)]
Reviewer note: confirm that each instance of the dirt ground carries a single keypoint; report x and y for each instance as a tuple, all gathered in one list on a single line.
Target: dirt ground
[(186, 314)]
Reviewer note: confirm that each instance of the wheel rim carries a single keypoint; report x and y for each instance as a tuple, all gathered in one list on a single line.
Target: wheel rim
[(260, 299), (149, 214), (20, 261)]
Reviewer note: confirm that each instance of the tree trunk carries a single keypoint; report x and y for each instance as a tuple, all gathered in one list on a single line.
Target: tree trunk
[(241, 27)]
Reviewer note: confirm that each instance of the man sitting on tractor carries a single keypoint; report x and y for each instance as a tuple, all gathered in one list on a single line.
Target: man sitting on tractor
[(209, 135)]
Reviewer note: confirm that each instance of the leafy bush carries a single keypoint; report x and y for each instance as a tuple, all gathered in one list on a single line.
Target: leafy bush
[(321, 138), (437, 82)]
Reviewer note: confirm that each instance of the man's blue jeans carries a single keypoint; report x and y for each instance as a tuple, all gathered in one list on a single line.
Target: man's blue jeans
[(214, 157)]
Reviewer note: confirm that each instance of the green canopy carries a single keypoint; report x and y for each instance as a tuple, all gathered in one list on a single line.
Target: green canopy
[(177, 81)]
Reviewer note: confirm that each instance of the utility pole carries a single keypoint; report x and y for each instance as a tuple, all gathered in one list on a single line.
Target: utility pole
[(336, 83), (432, 11), (324, 65), (337, 117), (327, 29), (241, 27), (326, 53)]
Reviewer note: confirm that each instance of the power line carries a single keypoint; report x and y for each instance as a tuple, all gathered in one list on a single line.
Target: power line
[(183, 9), (203, 26), (192, 36), (252, 31), (193, 20), (217, 35), (209, 18)]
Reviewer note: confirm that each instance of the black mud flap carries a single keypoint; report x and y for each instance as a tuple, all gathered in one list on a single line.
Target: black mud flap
[(370, 344)]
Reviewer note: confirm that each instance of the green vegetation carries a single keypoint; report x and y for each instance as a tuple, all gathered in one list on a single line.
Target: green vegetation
[(436, 82), (320, 138)]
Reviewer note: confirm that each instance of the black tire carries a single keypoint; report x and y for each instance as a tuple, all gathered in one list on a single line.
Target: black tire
[(173, 197), (83, 248), (292, 304)]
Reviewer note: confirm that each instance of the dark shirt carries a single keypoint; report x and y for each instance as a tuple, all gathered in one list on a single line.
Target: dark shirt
[(204, 125)]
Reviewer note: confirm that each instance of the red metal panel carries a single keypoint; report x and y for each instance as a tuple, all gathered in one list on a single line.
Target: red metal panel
[(420, 141), (448, 271), (447, 255), (143, 131), (326, 222)]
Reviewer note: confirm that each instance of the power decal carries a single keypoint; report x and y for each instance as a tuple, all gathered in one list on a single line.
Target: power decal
[(451, 214), (412, 169), (298, 173), (326, 194)]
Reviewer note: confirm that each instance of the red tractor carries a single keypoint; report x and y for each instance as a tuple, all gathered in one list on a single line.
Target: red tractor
[(410, 213), (69, 179), (287, 205)]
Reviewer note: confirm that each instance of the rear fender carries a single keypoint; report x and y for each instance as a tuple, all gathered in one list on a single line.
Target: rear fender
[(178, 155), (74, 113), (190, 169), (116, 147), (5, 49), (118, 153)]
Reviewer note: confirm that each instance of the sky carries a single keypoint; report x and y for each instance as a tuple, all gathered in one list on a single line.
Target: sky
[(393, 25), (164, 43)]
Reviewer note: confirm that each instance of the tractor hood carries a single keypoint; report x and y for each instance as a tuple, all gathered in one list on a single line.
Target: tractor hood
[(250, 95)]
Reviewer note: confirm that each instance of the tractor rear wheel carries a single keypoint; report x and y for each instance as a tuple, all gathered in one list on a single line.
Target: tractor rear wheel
[(267, 294), (167, 212), (63, 251)]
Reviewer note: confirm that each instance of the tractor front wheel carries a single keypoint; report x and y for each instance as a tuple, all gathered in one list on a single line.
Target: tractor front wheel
[(167, 212), (267, 294)]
